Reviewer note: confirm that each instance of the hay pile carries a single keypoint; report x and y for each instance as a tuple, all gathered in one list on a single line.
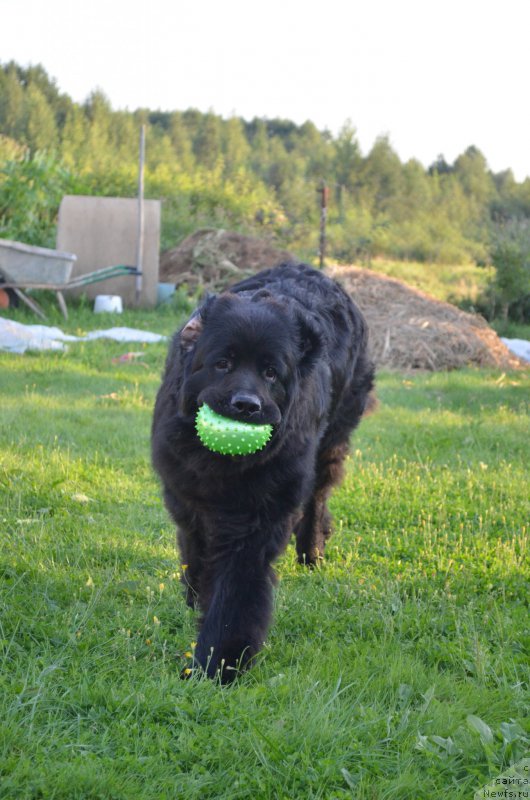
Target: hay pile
[(213, 259), (411, 330), (408, 329)]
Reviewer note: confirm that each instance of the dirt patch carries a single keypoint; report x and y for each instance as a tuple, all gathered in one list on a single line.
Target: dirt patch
[(411, 330), (215, 258)]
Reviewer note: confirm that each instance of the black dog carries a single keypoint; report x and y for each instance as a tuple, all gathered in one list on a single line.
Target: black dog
[(286, 347)]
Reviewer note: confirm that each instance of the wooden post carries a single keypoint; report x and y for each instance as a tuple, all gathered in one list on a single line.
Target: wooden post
[(140, 231), (324, 192)]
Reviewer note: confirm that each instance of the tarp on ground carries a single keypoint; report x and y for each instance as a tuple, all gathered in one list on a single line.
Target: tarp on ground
[(17, 338)]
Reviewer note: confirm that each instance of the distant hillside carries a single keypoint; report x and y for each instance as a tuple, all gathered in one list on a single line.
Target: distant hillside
[(259, 177)]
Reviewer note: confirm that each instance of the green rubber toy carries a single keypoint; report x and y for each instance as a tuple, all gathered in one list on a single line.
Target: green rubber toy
[(229, 437)]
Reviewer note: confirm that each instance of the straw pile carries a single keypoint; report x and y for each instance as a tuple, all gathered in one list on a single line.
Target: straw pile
[(212, 259), (408, 329), (411, 330)]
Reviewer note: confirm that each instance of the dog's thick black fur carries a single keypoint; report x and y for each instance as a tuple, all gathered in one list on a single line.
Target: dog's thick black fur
[(286, 347)]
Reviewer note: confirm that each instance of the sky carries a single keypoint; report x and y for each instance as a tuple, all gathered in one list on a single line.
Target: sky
[(436, 77)]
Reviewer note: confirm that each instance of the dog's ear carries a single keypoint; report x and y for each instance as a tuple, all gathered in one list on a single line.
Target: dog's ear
[(310, 342), (194, 326), (191, 332)]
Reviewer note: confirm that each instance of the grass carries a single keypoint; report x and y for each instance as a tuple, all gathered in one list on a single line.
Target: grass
[(453, 283), (512, 330), (399, 669)]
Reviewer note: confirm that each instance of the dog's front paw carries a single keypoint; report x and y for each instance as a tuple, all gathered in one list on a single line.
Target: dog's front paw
[(312, 558), (224, 662)]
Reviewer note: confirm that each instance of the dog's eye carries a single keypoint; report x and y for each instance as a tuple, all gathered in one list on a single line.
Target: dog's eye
[(224, 365), (271, 374)]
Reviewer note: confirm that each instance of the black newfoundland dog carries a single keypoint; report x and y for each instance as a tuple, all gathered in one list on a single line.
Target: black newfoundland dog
[(285, 347)]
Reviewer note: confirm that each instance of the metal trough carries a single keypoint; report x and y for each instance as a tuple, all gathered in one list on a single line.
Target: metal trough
[(25, 264)]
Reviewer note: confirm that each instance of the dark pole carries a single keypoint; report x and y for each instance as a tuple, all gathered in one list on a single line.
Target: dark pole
[(324, 192)]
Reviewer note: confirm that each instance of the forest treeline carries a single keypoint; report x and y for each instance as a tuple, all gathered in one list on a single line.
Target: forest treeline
[(260, 176)]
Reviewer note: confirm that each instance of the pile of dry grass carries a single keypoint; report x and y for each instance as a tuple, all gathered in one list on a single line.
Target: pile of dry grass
[(408, 329), (212, 259), (411, 330)]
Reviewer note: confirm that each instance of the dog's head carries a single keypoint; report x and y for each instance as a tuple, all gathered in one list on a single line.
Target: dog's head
[(243, 355)]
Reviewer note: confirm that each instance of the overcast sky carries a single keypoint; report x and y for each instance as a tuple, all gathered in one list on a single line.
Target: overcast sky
[(435, 76)]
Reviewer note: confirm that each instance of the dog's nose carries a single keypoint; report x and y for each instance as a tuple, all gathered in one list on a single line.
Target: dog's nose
[(245, 403)]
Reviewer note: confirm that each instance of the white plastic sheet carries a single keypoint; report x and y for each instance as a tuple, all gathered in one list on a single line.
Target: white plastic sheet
[(17, 338), (520, 347)]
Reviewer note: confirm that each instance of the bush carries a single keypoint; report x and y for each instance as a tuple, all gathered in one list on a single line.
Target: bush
[(510, 255), (31, 189)]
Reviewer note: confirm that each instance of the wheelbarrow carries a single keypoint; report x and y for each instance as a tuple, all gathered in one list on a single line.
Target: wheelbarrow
[(25, 266)]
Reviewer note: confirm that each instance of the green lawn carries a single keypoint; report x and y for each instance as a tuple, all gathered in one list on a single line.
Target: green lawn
[(399, 669)]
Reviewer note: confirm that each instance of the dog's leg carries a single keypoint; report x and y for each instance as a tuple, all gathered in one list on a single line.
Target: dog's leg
[(190, 541), (315, 527), (237, 602)]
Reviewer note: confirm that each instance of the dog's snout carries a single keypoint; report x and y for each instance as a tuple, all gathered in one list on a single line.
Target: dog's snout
[(245, 403)]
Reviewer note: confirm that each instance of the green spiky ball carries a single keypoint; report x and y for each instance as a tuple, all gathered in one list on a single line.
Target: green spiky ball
[(229, 437)]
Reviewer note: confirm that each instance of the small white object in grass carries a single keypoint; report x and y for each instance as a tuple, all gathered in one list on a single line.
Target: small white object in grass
[(108, 302)]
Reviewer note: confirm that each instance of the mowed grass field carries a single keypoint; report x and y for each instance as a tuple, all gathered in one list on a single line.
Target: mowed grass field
[(399, 669)]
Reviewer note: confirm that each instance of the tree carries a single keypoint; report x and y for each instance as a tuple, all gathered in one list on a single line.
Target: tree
[(317, 152), (181, 141), (98, 111), (510, 255), (260, 155), (347, 161), (41, 130), (382, 175), (236, 149), (440, 166), (74, 138), (208, 141), (471, 169), (12, 105)]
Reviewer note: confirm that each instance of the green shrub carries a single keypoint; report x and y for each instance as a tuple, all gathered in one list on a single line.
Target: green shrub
[(510, 255), (31, 189)]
